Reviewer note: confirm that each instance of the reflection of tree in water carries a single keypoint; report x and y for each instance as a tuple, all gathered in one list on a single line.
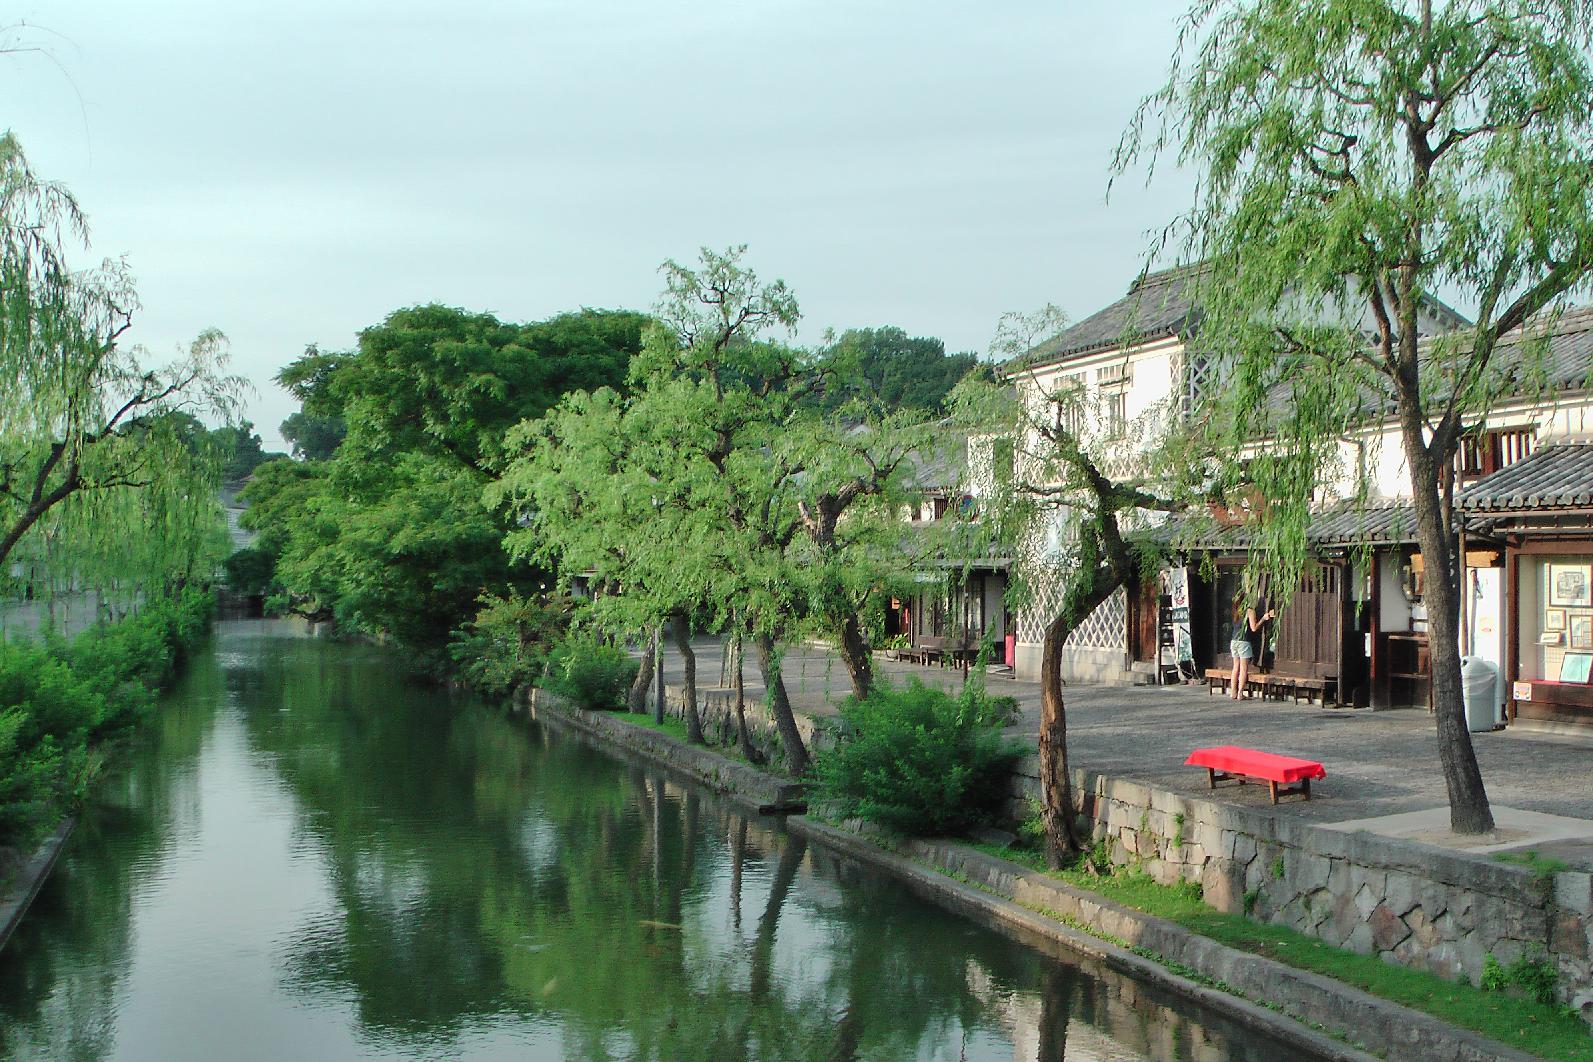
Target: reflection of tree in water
[(63, 969), (482, 869)]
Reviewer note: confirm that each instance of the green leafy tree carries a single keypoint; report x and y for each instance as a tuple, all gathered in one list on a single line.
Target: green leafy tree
[(1353, 158), (719, 490), (896, 370), (391, 534), (313, 438)]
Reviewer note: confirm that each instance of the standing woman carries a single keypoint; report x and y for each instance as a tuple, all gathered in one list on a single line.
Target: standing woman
[(1246, 645)]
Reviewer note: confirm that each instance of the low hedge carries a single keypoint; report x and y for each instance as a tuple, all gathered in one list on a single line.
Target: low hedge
[(61, 698)]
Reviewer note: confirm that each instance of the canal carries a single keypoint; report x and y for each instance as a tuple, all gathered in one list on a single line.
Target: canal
[(305, 857)]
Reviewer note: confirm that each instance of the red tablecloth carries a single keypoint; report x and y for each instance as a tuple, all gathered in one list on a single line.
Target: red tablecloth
[(1275, 768)]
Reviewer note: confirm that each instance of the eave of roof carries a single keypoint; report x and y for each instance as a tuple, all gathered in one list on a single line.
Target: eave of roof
[(1558, 475), (1339, 527)]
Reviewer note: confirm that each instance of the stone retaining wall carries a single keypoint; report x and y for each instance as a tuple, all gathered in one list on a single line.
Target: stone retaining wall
[(1411, 904)]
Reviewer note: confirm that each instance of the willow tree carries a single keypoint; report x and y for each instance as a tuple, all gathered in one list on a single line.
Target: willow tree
[(85, 420), (1353, 158)]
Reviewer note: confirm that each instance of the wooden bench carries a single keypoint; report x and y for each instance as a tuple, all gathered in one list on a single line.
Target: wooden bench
[(1243, 765), (1271, 684), (1220, 678)]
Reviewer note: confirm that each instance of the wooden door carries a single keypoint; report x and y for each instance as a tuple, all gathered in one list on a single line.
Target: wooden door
[(1310, 631)]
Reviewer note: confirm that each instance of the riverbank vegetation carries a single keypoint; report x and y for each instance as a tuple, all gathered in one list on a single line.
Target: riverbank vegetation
[(919, 760), (62, 701), (109, 515)]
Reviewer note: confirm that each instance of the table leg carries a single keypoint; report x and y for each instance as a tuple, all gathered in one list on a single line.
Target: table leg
[(1305, 787), (1274, 787), (1211, 778)]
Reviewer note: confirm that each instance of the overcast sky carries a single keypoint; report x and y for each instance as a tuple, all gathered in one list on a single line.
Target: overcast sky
[(291, 172)]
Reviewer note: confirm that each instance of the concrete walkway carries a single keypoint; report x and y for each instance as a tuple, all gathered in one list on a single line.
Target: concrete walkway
[(1378, 763)]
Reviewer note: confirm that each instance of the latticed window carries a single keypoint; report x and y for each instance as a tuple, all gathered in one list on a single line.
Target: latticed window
[(1486, 452), (1106, 628)]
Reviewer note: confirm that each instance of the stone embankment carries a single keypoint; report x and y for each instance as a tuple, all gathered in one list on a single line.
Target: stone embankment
[(20, 883), (1411, 904), (1415, 905)]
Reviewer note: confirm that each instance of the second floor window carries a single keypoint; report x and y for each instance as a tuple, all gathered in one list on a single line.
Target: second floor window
[(1486, 452), (1116, 408)]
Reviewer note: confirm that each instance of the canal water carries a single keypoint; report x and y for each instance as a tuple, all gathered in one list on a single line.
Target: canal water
[(305, 857)]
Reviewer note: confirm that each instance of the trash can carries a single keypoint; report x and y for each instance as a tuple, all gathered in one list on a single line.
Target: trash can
[(1479, 684)]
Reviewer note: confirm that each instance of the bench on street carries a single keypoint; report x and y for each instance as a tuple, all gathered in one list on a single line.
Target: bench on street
[(1243, 765), (1278, 686)]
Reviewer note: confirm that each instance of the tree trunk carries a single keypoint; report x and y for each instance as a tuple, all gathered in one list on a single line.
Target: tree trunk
[(1056, 782), (1469, 812), (796, 753), (738, 677), (854, 654), (688, 661), (636, 699)]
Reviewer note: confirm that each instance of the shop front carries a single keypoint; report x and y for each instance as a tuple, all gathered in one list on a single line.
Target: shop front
[(1540, 510)]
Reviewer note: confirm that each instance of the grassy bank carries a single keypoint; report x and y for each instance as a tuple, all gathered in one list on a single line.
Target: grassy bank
[(1509, 1016), (62, 700)]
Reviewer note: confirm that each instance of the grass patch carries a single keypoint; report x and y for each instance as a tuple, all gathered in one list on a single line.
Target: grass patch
[(1544, 867), (675, 728), (1527, 1024)]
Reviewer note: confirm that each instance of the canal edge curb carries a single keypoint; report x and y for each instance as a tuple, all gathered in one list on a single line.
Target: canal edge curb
[(1226, 979), (22, 890)]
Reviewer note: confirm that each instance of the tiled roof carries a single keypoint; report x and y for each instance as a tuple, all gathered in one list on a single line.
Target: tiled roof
[(1157, 305), (1376, 523), (1555, 476)]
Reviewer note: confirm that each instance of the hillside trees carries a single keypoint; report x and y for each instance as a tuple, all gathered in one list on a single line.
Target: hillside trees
[(1363, 155)]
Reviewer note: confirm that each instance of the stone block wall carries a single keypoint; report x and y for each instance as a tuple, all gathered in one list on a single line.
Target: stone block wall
[(1410, 904)]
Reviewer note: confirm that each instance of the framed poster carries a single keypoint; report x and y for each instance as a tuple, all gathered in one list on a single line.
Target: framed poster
[(1581, 632), (1568, 585), (1554, 619), (1575, 667)]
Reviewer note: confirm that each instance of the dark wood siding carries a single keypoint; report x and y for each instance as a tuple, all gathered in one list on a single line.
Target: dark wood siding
[(1310, 634)]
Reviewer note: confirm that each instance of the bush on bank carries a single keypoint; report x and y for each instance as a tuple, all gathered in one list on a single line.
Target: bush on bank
[(593, 675), (59, 699), (919, 760)]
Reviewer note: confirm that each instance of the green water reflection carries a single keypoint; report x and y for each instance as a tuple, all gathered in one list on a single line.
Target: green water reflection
[(309, 859)]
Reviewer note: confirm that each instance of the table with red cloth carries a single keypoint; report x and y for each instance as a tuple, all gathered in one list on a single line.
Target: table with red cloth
[(1250, 765)]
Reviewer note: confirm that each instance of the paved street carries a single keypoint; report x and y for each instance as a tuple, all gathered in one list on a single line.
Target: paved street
[(1378, 763)]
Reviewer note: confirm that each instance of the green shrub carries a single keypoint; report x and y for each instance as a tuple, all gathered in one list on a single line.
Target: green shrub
[(58, 698), (592, 675), (508, 643), (919, 760)]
